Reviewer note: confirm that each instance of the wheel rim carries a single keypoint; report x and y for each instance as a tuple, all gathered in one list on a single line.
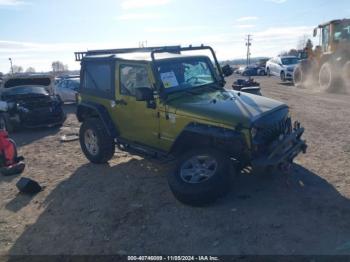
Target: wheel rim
[(91, 142), (198, 169), (325, 77)]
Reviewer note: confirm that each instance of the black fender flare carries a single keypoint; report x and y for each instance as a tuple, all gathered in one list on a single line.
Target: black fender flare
[(91, 109), (195, 134)]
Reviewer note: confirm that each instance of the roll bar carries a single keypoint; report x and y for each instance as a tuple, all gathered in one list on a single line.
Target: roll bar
[(80, 55), (177, 49)]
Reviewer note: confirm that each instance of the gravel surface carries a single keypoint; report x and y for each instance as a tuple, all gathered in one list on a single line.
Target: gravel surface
[(126, 207)]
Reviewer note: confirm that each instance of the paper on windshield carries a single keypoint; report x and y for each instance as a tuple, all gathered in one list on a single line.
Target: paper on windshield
[(169, 79)]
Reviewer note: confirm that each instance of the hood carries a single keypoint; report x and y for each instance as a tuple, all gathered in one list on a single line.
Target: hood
[(225, 107)]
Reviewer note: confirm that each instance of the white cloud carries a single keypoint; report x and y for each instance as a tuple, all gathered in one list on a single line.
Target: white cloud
[(11, 3), (175, 29), (244, 26), (135, 4), (277, 1), (247, 18), (291, 32), (139, 16)]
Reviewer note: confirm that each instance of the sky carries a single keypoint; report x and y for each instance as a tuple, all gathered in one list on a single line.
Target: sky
[(36, 32)]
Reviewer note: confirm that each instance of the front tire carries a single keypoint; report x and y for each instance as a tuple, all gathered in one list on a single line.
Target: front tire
[(298, 77), (268, 73), (201, 177), (97, 145), (283, 77), (346, 74)]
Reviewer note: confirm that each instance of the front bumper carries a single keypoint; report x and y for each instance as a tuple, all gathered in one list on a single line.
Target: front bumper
[(289, 75), (44, 117), (282, 151)]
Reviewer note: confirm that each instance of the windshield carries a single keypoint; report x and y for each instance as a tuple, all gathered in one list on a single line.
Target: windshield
[(25, 90), (342, 32), (74, 83), (42, 81), (290, 61), (185, 73)]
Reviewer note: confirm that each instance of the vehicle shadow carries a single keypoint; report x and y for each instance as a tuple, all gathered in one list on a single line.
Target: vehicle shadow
[(286, 83), (128, 209)]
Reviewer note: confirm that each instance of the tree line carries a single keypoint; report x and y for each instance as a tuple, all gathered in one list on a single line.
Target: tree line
[(57, 68)]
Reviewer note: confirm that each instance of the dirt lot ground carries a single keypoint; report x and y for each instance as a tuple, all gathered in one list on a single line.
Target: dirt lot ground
[(126, 207)]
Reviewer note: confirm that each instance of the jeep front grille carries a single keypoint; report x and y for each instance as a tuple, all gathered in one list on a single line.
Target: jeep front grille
[(271, 132)]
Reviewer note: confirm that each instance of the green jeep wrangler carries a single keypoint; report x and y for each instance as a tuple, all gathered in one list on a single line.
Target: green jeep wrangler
[(170, 102)]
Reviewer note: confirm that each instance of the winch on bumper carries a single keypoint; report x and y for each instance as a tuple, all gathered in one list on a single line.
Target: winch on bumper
[(281, 151)]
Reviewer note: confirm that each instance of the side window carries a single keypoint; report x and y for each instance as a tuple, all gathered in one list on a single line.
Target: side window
[(73, 85), (62, 84), (98, 77), (132, 77), (325, 38)]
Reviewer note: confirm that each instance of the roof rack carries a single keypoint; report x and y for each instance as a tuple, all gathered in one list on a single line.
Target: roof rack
[(172, 49)]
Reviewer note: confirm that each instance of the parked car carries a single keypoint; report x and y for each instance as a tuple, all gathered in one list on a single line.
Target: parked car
[(67, 88), (227, 70), (240, 69), (248, 86), (31, 102), (174, 106), (282, 67), (262, 62), (253, 70)]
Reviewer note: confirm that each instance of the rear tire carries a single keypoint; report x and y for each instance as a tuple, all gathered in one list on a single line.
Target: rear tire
[(268, 73), (5, 123), (327, 77), (201, 177), (97, 145)]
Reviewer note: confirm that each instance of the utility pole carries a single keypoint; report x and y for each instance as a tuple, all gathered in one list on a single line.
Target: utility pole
[(248, 44), (143, 44), (11, 64)]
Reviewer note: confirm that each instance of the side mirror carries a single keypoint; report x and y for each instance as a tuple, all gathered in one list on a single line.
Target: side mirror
[(315, 32), (144, 94)]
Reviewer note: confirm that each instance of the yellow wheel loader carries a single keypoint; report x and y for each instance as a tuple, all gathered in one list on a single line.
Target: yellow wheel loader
[(328, 64)]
